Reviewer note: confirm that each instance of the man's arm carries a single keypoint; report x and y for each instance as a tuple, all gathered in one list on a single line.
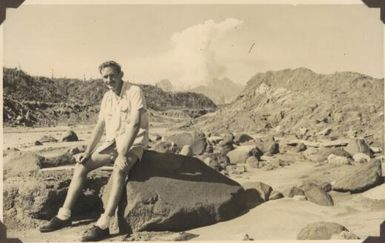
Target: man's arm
[(95, 138), (131, 132)]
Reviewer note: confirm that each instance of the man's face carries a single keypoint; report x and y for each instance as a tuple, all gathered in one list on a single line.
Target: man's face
[(112, 78)]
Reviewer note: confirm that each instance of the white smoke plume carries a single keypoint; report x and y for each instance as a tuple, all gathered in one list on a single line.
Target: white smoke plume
[(192, 60), (195, 51)]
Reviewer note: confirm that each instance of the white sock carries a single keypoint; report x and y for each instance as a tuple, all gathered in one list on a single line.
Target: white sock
[(64, 214), (103, 222)]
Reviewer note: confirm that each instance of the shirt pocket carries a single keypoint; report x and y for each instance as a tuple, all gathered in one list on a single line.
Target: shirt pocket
[(124, 112)]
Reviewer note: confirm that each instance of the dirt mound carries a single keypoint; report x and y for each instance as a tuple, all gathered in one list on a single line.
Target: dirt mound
[(302, 102)]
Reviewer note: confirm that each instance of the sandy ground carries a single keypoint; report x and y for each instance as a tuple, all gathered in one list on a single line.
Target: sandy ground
[(274, 220)]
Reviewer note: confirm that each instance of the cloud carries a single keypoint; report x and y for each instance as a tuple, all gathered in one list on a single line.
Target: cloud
[(193, 59)]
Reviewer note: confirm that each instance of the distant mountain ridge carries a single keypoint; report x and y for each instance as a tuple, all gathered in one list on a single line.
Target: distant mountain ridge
[(23, 92), (221, 91)]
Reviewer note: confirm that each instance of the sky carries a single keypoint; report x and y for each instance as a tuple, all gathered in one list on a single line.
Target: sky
[(192, 44)]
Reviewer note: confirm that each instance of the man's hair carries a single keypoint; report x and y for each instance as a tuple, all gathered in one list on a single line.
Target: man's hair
[(110, 64)]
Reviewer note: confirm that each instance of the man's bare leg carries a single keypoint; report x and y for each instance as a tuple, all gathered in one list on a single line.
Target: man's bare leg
[(118, 178), (97, 160)]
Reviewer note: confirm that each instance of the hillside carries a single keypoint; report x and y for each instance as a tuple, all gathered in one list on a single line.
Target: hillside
[(221, 91), (43, 101), (294, 101)]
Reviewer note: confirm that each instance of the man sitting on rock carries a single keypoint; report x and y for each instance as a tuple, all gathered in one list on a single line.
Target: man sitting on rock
[(123, 115)]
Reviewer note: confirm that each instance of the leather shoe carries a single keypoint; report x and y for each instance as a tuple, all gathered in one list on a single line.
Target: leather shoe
[(95, 234), (55, 224)]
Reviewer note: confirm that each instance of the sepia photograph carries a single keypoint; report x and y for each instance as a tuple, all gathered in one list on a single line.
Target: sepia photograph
[(192, 121)]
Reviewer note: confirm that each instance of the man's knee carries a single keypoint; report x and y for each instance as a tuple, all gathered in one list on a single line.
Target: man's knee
[(124, 168), (81, 169)]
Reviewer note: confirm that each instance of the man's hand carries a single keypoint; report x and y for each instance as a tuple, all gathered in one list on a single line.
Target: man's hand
[(84, 157)]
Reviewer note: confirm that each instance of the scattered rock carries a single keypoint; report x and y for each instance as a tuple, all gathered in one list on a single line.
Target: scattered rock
[(155, 137), (322, 154), (338, 160), (228, 139), (209, 148), (252, 162), (70, 136), (37, 143), (152, 200), (376, 150), (241, 153), (315, 194), (300, 198), (301, 147), (47, 139), (77, 149), (364, 177), (165, 147), (274, 195), (242, 137), (267, 145), (345, 235), (263, 189), (21, 163), (325, 186), (294, 191), (361, 158), (358, 145), (320, 231), (196, 140), (236, 169), (186, 151), (274, 163), (247, 238), (273, 149), (325, 132)]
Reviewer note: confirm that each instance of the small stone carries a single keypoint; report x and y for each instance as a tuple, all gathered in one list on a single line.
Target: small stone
[(345, 235), (361, 158), (274, 195), (70, 136), (186, 151), (294, 191), (325, 132), (299, 198), (247, 237), (338, 160), (38, 143), (253, 162), (301, 147)]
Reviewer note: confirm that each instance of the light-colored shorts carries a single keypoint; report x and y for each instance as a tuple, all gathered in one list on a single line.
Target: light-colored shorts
[(134, 154)]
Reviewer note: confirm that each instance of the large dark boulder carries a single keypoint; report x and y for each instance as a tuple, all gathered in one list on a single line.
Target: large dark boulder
[(168, 192), (364, 177)]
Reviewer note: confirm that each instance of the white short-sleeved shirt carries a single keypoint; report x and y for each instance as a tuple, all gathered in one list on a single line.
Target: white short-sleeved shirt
[(115, 110)]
